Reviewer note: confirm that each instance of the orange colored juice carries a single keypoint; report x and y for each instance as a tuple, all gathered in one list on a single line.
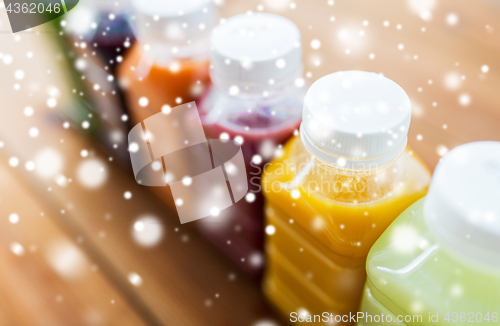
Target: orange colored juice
[(320, 239), (179, 81), (322, 219), (168, 65)]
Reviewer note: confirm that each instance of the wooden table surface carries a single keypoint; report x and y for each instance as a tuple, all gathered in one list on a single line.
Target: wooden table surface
[(71, 259)]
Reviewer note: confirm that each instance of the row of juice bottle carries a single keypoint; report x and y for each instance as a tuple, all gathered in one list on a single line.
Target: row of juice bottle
[(245, 75), (331, 192), (344, 201)]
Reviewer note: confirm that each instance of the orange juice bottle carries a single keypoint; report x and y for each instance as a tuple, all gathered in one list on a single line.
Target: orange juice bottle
[(168, 65), (332, 192)]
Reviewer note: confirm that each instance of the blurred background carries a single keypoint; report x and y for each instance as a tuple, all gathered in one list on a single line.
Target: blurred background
[(81, 243)]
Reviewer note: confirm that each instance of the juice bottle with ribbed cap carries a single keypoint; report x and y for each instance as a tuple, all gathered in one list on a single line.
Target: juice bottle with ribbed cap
[(256, 98), (168, 65), (333, 191), (441, 258)]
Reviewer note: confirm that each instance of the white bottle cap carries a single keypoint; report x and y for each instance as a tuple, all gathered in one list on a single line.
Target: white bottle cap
[(111, 6), (255, 53), (463, 203), (355, 119), (85, 15), (174, 22)]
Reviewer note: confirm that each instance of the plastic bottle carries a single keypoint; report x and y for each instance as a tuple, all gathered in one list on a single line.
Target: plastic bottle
[(334, 190), (440, 259), (168, 65), (105, 27), (256, 99), (98, 35)]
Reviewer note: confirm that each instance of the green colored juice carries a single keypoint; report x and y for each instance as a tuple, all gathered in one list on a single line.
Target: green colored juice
[(412, 273)]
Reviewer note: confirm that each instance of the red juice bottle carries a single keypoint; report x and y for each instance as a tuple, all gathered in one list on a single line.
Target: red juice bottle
[(256, 99)]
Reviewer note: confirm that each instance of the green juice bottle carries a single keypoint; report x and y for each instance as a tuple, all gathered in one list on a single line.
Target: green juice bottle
[(439, 262)]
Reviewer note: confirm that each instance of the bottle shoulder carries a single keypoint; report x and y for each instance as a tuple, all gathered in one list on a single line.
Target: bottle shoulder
[(346, 210), (252, 115), (296, 167)]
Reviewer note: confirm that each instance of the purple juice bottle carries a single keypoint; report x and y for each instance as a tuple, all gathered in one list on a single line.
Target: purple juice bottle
[(106, 27)]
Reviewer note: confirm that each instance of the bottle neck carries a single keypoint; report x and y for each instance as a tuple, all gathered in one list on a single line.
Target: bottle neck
[(344, 184), (460, 236), (266, 89), (115, 6), (164, 53), (168, 56), (257, 93), (168, 39), (349, 163)]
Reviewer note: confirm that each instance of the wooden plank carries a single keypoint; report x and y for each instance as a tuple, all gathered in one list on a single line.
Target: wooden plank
[(469, 43), (184, 280), (46, 276)]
